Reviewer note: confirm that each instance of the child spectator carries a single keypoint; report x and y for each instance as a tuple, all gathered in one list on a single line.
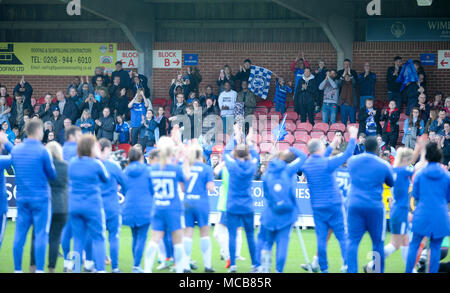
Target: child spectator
[(281, 91), (123, 129)]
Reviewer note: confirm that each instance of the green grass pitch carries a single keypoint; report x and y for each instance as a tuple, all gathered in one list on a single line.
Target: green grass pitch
[(394, 263)]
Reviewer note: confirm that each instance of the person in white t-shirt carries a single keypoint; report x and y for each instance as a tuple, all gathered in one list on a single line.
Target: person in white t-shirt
[(227, 100)]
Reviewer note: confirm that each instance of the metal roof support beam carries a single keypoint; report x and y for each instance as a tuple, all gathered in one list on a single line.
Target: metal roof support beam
[(336, 19)]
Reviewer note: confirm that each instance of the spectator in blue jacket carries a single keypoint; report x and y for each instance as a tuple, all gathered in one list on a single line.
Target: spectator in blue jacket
[(281, 91), (366, 82), (123, 129), (366, 211), (33, 168), (242, 162), (326, 200), (125, 80), (85, 122), (137, 208), (73, 135), (5, 163), (281, 211), (431, 190), (86, 212), (138, 106), (111, 201)]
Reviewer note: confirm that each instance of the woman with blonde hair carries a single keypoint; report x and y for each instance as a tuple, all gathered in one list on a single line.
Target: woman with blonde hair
[(167, 179), (403, 171), (60, 212), (86, 213), (196, 204)]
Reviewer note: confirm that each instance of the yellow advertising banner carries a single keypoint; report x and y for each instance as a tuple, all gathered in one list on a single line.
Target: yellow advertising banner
[(77, 59)]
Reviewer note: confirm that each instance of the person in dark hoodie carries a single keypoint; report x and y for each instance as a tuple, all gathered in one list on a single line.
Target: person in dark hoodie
[(281, 211), (431, 190), (125, 80), (241, 160), (137, 208), (45, 110), (106, 125), (390, 128), (366, 82), (393, 86), (60, 209), (306, 95), (149, 133)]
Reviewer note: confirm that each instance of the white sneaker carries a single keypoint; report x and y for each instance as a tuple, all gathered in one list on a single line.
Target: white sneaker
[(240, 258), (137, 270)]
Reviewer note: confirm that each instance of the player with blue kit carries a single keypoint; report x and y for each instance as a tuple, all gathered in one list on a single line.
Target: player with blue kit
[(196, 205), (167, 178), (5, 162), (33, 167)]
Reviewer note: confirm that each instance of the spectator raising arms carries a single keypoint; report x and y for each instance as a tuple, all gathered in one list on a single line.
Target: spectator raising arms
[(393, 86), (347, 95), (329, 87), (224, 77), (298, 67), (281, 91), (138, 106), (244, 72)]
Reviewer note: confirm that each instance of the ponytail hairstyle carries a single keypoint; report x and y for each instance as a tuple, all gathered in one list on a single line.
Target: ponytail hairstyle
[(166, 149), (195, 153), (404, 157)]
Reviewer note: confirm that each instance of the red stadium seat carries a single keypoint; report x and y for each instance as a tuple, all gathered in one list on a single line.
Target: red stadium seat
[(266, 136), (282, 146), (301, 136), (126, 147), (159, 102), (218, 148), (266, 104), (290, 125), (265, 147), (317, 134), (353, 124), (347, 136), (289, 139), (302, 147), (270, 114), (260, 112), (318, 116), (330, 135), (261, 109), (304, 126), (337, 126), (290, 109), (290, 104), (291, 115), (321, 126)]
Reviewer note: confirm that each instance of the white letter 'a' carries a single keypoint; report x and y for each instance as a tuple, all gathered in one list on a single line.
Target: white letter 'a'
[(74, 7), (374, 7)]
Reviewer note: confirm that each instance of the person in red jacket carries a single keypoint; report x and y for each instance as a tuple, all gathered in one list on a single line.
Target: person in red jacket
[(390, 128)]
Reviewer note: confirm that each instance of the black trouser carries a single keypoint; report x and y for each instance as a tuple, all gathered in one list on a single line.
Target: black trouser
[(306, 109), (146, 142), (56, 227), (390, 138), (134, 135)]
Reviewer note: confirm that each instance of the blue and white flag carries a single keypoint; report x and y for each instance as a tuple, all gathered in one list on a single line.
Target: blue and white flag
[(408, 74), (279, 133), (259, 81)]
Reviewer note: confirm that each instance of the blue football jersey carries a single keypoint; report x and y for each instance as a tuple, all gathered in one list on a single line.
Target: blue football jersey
[(343, 180), (195, 190), (165, 185)]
